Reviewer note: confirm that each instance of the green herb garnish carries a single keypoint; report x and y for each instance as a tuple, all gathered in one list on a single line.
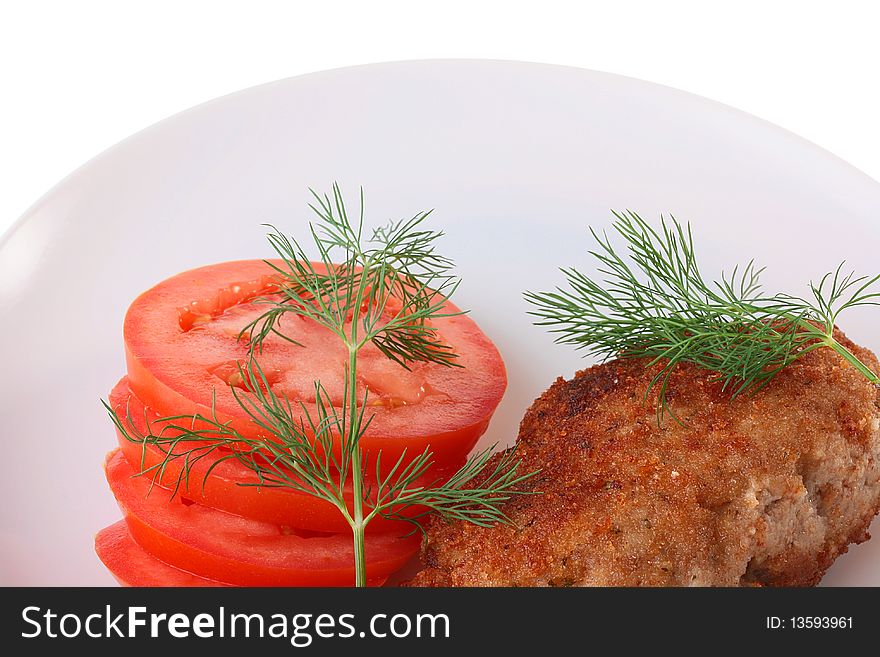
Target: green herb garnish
[(653, 302)]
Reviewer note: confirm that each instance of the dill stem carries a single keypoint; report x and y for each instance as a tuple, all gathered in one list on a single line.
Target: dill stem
[(357, 473), (852, 359), (826, 339)]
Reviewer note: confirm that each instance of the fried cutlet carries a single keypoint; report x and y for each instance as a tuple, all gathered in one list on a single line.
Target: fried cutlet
[(767, 488)]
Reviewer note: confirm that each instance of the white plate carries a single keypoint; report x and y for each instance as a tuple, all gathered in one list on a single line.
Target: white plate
[(516, 158)]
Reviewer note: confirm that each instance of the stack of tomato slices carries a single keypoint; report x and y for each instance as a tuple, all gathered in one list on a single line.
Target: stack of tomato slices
[(212, 524)]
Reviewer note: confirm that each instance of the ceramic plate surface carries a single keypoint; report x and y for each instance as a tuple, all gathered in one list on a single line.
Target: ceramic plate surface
[(517, 160)]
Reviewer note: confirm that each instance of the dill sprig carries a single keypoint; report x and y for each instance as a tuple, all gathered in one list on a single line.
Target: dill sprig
[(653, 302), (301, 457), (397, 264), (386, 289)]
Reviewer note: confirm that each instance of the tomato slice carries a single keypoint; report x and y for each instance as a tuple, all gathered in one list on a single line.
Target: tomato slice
[(223, 489), (183, 351), (221, 546), (132, 566)]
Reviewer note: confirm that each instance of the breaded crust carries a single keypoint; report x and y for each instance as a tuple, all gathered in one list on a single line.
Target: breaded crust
[(764, 489)]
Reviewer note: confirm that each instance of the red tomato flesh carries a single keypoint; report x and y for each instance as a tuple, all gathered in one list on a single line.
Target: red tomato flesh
[(183, 352), (130, 565), (222, 546), (223, 489)]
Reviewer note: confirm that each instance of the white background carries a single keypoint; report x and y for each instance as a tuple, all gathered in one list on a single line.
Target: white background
[(79, 76)]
